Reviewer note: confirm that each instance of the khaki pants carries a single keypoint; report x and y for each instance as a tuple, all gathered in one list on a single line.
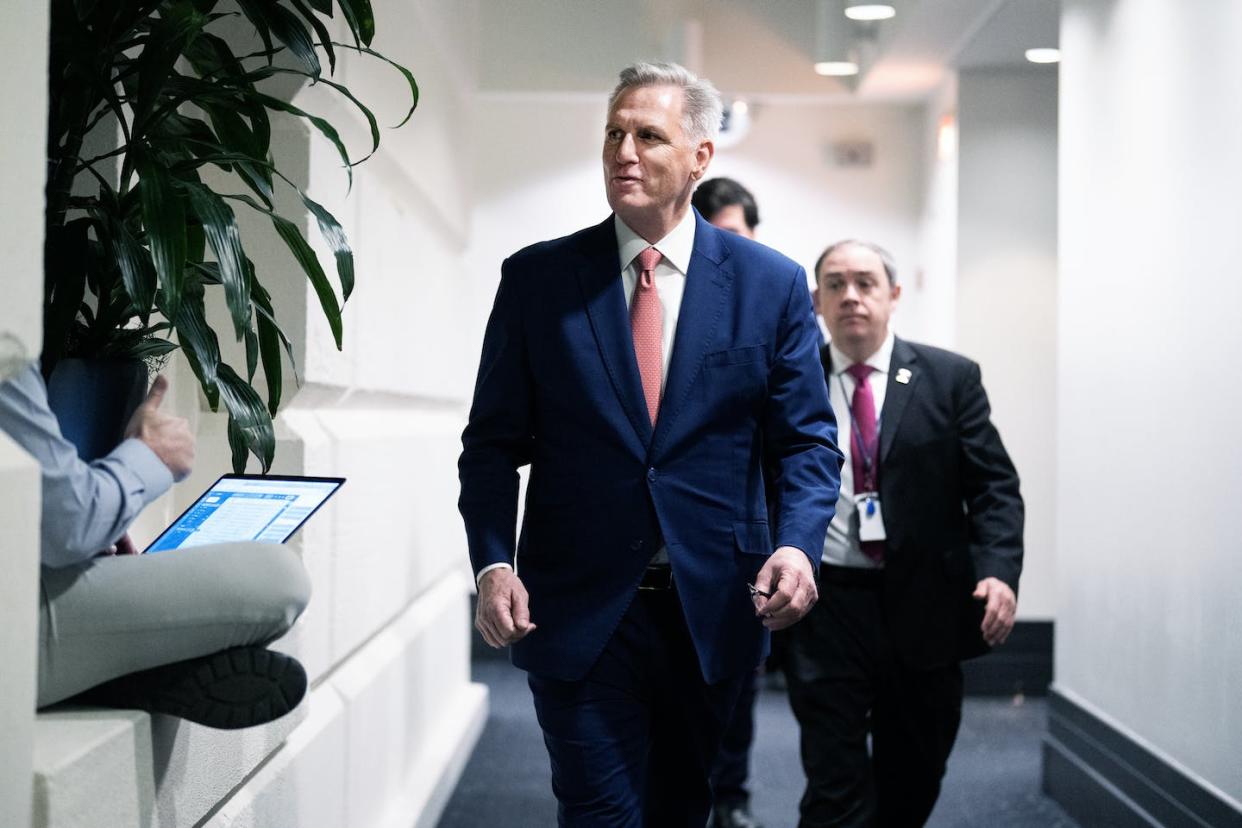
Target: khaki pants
[(117, 615)]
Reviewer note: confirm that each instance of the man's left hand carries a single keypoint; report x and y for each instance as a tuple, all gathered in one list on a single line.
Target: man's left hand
[(999, 612), (790, 580)]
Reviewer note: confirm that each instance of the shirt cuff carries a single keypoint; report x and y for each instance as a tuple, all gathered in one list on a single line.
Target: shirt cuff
[(488, 569), (138, 458)]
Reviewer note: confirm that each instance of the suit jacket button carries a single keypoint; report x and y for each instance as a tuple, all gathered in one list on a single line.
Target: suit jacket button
[(636, 545), (651, 475)]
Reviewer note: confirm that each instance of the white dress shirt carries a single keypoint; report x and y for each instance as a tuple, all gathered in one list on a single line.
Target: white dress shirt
[(670, 273), (841, 545), (670, 280)]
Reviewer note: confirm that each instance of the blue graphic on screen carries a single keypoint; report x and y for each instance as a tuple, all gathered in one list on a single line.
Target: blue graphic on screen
[(238, 510)]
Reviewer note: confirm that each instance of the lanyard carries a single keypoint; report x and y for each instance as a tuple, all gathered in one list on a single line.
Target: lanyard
[(870, 455)]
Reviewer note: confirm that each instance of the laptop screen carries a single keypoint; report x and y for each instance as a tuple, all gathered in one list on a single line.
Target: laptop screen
[(239, 507)]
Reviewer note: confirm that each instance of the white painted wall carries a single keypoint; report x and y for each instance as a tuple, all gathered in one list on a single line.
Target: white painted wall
[(1149, 454), (933, 277), (23, 88), (1006, 290)]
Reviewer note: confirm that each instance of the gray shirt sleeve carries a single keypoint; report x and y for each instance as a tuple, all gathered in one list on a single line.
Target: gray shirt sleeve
[(86, 506)]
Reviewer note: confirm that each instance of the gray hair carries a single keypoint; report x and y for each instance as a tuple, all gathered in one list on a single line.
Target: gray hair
[(886, 258), (703, 109)]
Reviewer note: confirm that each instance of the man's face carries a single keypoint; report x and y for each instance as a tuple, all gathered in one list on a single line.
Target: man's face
[(650, 165), (855, 299), (733, 219)]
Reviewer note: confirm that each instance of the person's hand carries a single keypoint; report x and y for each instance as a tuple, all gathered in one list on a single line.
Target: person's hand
[(999, 611), (168, 436), (503, 614), (123, 546), (789, 582)]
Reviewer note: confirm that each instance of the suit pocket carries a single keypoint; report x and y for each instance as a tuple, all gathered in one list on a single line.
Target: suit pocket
[(737, 356), (754, 547)]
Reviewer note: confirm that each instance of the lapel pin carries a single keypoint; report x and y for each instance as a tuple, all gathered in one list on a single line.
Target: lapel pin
[(903, 376)]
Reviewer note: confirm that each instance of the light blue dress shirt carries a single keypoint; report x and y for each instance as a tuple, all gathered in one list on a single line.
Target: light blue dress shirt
[(86, 506)]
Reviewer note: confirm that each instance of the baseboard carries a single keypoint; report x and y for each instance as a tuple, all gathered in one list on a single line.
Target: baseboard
[(1101, 776), (1023, 665)]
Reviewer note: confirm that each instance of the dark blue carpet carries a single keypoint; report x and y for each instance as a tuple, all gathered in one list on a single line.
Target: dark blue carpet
[(993, 777)]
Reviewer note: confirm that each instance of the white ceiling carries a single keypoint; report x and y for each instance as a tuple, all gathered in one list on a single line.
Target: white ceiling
[(756, 48)]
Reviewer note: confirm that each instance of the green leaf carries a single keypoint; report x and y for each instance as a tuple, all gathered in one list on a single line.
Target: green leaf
[(310, 265), (406, 73), (137, 271), (254, 13), (252, 353), (220, 225), (198, 341), (237, 447), (325, 39), (163, 215), (334, 235), (248, 414), (360, 18), (289, 29), (171, 33), (320, 124)]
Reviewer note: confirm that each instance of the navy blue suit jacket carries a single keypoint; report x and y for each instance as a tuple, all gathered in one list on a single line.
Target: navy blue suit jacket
[(744, 406)]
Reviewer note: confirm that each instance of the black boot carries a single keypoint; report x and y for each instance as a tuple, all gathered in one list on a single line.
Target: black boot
[(231, 689)]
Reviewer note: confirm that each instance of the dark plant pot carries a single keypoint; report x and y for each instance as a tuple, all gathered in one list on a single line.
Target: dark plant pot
[(93, 400)]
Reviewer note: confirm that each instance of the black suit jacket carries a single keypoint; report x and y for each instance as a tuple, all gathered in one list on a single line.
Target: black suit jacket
[(952, 510)]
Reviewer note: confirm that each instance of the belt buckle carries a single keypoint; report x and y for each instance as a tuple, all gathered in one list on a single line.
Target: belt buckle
[(656, 579)]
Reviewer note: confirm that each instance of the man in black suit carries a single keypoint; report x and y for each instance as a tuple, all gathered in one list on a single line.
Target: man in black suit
[(920, 566)]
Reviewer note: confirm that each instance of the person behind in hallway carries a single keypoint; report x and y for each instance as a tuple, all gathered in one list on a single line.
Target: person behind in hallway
[(645, 570), (728, 205), (125, 630), (920, 564)]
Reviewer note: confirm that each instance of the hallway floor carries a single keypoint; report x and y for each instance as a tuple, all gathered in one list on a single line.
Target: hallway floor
[(993, 777)]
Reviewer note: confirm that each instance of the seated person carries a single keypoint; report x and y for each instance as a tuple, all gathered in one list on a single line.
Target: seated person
[(181, 632)]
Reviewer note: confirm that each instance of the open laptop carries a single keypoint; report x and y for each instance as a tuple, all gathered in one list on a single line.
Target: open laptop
[(248, 507)]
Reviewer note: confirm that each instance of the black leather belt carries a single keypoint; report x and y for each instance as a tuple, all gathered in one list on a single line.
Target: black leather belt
[(657, 578)]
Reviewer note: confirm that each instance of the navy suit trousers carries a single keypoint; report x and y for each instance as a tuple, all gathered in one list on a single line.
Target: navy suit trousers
[(633, 742)]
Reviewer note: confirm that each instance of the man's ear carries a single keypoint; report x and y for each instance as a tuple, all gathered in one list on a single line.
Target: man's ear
[(703, 155)]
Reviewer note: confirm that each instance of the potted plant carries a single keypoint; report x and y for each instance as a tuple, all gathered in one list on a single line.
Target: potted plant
[(129, 265)]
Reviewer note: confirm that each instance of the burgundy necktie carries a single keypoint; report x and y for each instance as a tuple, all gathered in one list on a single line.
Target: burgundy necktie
[(647, 326), (864, 445)]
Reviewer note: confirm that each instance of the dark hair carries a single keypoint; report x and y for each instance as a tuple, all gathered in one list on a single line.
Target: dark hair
[(886, 258), (715, 194)]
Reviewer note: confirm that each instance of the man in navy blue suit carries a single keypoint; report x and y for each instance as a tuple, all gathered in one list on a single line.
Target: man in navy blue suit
[(658, 375)]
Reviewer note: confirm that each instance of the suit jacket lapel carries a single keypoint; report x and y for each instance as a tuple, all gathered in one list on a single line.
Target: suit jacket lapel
[(599, 277), (897, 394), (707, 291)]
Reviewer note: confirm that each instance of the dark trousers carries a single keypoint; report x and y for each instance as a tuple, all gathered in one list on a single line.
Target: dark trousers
[(733, 761), (632, 743), (845, 682)]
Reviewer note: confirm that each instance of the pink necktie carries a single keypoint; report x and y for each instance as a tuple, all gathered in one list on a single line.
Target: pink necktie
[(647, 326), (864, 445)]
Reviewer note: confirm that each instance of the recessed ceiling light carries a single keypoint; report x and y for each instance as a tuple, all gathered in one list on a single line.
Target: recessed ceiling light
[(869, 11), (1043, 55), (836, 68)]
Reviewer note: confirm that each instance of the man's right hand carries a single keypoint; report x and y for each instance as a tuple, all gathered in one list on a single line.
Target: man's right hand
[(169, 437), (503, 615)]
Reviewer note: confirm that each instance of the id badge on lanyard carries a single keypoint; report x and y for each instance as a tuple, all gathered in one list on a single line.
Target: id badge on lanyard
[(867, 501)]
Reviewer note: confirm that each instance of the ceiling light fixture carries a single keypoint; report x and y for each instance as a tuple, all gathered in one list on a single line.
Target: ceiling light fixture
[(836, 68), (869, 11), (1043, 55), (835, 53)]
